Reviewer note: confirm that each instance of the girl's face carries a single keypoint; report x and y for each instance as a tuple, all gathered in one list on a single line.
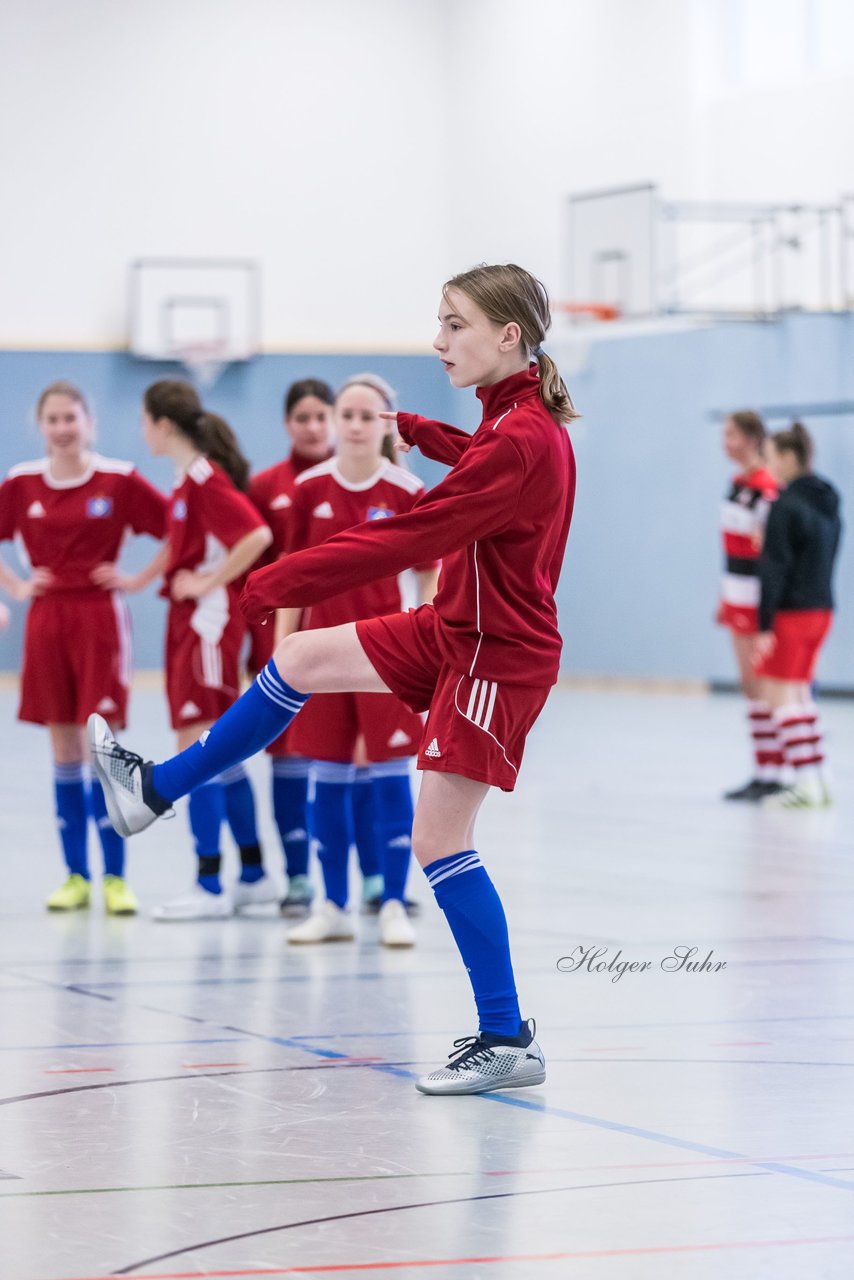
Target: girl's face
[(782, 463), (472, 347), (309, 425), (737, 446), (156, 433), (65, 425), (359, 430)]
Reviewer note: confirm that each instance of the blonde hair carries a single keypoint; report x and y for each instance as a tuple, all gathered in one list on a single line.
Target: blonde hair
[(63, 388), (508, 294)]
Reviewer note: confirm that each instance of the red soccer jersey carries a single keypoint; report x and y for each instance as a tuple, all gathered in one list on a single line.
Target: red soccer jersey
[(272, 492), (743, 516), (70, 526), (499, 522), (324, 503), (207, 516)]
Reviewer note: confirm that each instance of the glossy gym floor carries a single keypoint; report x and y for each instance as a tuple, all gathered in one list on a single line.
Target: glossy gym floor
[(199, 1100)]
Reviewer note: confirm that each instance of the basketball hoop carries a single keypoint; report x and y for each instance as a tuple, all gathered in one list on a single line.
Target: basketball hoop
[(602, 311), (204, 361)]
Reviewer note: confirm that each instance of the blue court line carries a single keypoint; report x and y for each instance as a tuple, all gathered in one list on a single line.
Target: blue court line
[(115, 1044)]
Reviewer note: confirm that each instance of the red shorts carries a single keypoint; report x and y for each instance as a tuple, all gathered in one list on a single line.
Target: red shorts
[(330, 724), (741, 618), (476, 728), (800, 634), (202, 679), (77, 659)]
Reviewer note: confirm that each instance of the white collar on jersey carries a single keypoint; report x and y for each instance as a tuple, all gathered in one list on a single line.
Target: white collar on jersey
[(361, 485)]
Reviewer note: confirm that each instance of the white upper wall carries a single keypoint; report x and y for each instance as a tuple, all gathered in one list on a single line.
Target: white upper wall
[(362, 152)]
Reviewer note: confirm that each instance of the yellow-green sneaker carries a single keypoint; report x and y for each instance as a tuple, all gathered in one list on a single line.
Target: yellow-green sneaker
[(74, 895), (119, 897)]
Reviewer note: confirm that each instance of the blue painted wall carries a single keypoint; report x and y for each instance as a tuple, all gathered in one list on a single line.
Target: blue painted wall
[(639, 588)]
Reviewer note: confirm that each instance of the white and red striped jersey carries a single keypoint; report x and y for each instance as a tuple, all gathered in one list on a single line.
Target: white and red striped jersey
[(325, 503), (70, 526), (744, 513)]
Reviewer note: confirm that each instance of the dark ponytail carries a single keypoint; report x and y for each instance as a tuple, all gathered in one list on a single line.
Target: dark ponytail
[(179, 402), (797, 440)]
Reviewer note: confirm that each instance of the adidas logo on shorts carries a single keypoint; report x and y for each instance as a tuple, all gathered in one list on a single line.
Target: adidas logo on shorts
[(399, 739), (433, 750), (189, 709), (106, 706)]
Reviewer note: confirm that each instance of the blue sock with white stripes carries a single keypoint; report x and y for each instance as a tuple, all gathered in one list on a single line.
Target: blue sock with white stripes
[(290, 809), (240, 816), (260, 715), (476, 917), (332, 825), (207, 814), (112, 844), (393, 810), (72, 815), (364, 823)]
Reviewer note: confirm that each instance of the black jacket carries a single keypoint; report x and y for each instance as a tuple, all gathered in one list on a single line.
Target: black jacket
[(801, 541)]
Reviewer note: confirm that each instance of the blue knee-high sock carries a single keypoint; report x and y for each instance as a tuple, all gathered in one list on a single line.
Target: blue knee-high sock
[(72, 815), (474, 912), (393, 810), (364, 824), (112, 844), (290, 809), (333, 825), (265, 710), (240, 815), (207, 814)]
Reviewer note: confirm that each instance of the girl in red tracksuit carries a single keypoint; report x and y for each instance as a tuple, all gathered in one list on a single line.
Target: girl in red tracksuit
[(70, 511), (359, 484), (214, 534), (481, 659)]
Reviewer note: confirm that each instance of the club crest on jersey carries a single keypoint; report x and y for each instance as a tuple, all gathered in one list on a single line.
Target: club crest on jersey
[(379, 513), (99, 507), (179, 509)]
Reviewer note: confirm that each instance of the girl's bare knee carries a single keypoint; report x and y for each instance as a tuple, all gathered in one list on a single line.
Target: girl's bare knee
[(292, 661)]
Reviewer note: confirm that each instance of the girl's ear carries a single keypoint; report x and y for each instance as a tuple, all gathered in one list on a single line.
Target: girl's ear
[(511, 337)]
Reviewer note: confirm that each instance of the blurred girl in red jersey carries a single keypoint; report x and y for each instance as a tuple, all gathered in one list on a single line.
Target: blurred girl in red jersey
[(743, 517), (308, 425), (214, 534), (359, 484), (70, 512)]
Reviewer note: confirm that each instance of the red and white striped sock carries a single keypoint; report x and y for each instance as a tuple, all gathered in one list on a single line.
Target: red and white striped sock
[(800, 734), (767, 747)]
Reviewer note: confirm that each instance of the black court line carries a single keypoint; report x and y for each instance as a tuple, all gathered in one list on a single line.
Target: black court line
[(425, 1204)]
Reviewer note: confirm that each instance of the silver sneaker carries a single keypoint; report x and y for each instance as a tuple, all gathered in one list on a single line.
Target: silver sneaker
[(480, 1064), (132, 803)]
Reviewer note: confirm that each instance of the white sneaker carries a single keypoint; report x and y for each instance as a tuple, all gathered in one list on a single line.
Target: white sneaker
[(395, 929), (196, 904), (327, 923), (811, 794), (132, 802), (257, 893), (480, 1064)]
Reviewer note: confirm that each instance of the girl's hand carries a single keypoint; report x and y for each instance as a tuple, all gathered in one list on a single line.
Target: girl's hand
[(5, 617), (187, 585), (763, 646), (399, 444), (40, 581), (108, 576)]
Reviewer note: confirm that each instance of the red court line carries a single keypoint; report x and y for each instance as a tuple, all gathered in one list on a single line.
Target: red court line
[(191, 1065), (576, 1255), (75, 1071)]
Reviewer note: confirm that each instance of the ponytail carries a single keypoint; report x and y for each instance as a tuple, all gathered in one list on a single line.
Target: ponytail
[(219, 443), (179, 402), (797, 440), (553, 390)]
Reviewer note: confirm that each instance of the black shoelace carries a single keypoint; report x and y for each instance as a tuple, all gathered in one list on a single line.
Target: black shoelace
[(470, 1051), (128, 758)]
